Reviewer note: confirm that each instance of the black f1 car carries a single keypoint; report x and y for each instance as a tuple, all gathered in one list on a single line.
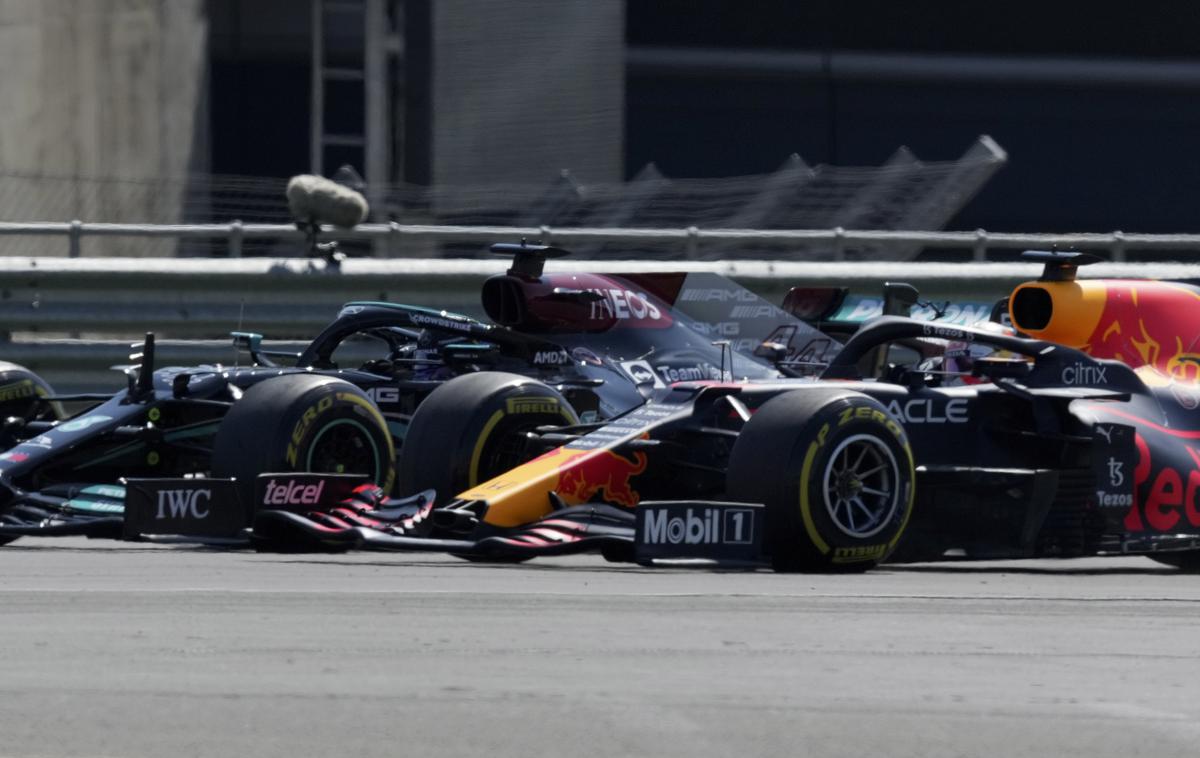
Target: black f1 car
[(582, 350), (1080, 443)]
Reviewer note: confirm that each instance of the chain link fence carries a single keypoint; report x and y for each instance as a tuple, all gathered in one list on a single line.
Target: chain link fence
[(904, 193)]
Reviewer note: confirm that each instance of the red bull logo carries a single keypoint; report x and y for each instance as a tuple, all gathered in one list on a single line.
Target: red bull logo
[(521, 495), (1153, 324), (603, 472)]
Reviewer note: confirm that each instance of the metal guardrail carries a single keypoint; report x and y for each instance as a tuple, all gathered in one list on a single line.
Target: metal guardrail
[(392, 236), (112, 301)]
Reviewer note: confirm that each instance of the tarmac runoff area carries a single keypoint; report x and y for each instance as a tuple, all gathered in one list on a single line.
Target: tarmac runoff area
[(112, 649)]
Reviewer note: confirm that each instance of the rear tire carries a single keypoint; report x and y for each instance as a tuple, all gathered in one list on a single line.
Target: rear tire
[(472, 428), (835, 473), (303, 422)]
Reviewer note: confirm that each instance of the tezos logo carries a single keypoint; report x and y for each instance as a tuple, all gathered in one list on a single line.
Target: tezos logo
[(1115, 477), (947, 333), (1109, 500), (292, 493), (706, 529), (1082, 373), (183, 503)]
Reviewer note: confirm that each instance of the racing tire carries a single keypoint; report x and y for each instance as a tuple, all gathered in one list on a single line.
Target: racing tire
[(303, 422), (835, 472), (472, 428), (23, 393)]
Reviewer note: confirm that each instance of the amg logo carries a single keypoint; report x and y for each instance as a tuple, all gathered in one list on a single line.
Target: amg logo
[(923, 411), (183, 504), (1081, 373), (384, 395), (753, 311), (717, 295), (705, 529), (292, 493), (724, 328)]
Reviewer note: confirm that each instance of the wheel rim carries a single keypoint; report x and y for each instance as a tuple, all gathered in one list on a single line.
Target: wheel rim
[(344, 447), (507, 450), (861, 486)]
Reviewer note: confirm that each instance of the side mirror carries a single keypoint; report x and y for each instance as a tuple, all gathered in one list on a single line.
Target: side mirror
[(899, 298), (771, 351)]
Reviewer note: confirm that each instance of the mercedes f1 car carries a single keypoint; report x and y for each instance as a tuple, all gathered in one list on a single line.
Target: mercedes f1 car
[(585, 348), (1074, 437)]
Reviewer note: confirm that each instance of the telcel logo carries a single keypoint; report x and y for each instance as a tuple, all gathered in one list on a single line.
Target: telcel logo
[(183, 503), (704, 529), (292, 493)]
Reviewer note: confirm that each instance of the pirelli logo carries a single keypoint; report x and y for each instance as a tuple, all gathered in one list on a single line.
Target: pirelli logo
[(533, 405)]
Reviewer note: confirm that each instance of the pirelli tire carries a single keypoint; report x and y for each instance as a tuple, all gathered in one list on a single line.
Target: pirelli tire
[(473, 427), (23, 395), (835, 472), (304, 422)]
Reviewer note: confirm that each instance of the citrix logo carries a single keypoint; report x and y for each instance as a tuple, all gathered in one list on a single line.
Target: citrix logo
[(1082, 373), (183, 503)]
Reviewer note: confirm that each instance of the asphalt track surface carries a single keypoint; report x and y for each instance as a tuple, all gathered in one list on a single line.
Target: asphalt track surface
[(112, 649)]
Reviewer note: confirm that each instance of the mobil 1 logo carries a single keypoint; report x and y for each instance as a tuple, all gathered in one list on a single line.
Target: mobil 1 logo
[(722, 532)]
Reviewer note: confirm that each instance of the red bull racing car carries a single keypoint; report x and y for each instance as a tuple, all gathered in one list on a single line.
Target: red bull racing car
[(1078, 437)]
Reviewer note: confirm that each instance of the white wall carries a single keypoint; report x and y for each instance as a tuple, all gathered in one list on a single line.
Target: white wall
[(98, 89)]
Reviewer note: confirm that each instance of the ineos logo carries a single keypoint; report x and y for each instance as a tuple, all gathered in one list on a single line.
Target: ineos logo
[(183, 503)]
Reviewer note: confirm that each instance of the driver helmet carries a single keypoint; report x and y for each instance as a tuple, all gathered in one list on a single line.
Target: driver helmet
[(960, 356)]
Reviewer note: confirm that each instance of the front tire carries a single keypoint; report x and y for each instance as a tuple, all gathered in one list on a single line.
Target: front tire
[(23, 395), (835, 473), (304, 422), (472, 428)]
